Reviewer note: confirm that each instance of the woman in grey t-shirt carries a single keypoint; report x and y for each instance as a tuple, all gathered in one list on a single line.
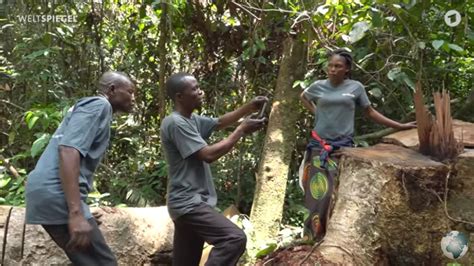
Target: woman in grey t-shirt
[(336, 99)]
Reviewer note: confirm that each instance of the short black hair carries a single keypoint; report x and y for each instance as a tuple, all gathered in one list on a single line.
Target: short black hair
[(347, 57), (175, 84)]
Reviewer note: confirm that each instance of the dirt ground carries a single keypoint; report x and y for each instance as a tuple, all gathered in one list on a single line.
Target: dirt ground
[(297, 255)]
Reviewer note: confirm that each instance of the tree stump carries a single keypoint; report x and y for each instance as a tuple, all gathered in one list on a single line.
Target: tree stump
[(390, 210), (385, 208)]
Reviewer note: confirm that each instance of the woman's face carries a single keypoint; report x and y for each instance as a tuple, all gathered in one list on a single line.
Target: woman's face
[(337, 69)]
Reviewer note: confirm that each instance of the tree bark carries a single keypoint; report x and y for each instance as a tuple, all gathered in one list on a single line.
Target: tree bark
[(385, 208), (133, 234), (273, 170), (390, 210)]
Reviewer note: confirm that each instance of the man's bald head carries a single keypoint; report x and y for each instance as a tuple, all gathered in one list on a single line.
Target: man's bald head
[(113, 78), (119, 89)]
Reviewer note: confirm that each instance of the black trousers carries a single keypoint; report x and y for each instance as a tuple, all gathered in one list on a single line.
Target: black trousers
[(205, 224), (98, 253)]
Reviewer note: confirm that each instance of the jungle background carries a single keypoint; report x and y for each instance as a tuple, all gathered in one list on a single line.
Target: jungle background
[(235, 49)]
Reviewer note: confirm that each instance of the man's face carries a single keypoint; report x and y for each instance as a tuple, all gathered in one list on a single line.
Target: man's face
[(192, 95), (123, 97)]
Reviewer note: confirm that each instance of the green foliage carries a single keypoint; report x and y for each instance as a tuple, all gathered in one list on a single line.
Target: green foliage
[(235, 53), (295, 212), (12, 189), (96, 199), (269, 249), (46, 119)]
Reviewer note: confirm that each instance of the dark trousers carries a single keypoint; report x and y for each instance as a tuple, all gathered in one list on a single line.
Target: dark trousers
[(205, 224), (98, 253)]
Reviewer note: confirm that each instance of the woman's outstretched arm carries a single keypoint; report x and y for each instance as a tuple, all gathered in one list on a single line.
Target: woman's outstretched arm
[(383, 120)]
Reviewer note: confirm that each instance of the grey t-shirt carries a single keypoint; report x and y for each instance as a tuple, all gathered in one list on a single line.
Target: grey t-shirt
[(335, 106), (190, 179), (86, 127)]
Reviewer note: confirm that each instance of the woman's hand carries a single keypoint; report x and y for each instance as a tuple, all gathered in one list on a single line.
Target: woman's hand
[(308, 104), (406, 126)]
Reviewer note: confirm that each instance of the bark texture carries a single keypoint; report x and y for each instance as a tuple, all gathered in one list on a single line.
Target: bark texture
[(385, 208), (273, 170), (133, 234), (390, 210)]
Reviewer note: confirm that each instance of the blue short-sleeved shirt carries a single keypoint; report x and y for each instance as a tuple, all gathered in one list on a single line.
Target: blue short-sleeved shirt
[(190, 179), (86, 127), (335, 106)]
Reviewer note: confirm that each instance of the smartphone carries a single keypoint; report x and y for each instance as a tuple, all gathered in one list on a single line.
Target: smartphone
[(262, 111)]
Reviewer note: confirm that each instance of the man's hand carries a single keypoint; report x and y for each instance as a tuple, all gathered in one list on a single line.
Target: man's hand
[(250, 125), (257, 102), (79, 230), (97, 215)]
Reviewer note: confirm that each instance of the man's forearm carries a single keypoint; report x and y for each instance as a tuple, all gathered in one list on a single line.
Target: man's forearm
[(232, 117), (213, 152), (69, 164)]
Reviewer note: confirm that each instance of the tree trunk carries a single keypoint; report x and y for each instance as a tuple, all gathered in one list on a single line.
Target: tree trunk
[(133, 234), (273, 170)]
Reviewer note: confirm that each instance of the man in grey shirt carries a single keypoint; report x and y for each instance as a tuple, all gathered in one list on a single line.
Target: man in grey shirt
[(57, 188), (191, 196)]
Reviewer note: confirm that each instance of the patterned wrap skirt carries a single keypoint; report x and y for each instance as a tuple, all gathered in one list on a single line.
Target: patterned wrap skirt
[(319, 181)]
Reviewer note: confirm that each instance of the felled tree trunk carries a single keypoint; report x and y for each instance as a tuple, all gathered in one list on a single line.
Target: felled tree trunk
[(133, 234), (463, 133)]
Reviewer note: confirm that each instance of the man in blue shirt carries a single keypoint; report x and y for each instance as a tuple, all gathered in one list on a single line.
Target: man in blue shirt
[(191, 196), (57, 188)]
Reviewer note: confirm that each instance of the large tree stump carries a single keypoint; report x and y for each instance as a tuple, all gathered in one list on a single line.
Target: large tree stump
[(387, 209), (133, 234), (381, 208)]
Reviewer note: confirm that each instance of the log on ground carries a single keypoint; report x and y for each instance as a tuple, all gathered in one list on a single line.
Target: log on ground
[(133, 234), (463, 133)]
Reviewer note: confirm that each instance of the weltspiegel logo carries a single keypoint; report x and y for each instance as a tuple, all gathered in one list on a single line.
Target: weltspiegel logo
[(46, 18), (7, 5)]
